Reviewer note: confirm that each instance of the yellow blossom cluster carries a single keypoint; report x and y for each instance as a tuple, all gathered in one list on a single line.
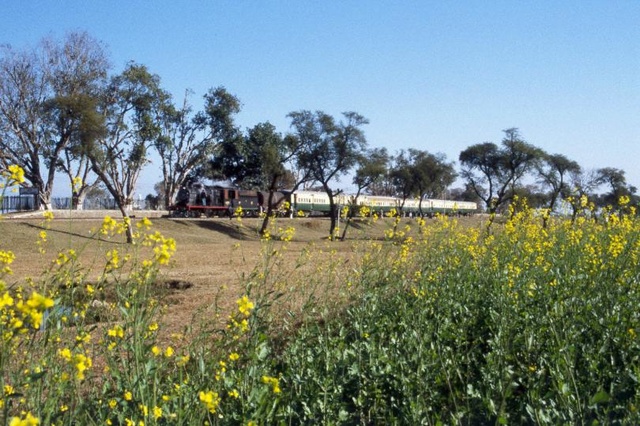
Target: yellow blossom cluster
[(20, 313), (80, 361), (6, 259), (238, 321), (210, 399), (287, 234), (13, 175), (27, 420), (245, 306), (273, 383), (163, 248)]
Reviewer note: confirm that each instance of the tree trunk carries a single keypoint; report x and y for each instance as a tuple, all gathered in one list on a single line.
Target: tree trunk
[(353, 207), (267, 217), (272, 190), (127, 222), (44, 200), (334, 218), (77, 200)]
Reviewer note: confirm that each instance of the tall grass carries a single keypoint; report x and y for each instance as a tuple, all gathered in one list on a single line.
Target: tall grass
[(432, 323)]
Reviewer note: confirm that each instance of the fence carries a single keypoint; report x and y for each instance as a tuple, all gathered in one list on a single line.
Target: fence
[(64, 203), (20, 203), (17, 203)]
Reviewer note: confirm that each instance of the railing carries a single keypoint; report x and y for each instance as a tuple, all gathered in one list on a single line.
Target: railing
[(64, 203), (17, 203), (21, 203)]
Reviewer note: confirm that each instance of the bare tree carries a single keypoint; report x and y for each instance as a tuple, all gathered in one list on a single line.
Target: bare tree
[(43, 101)]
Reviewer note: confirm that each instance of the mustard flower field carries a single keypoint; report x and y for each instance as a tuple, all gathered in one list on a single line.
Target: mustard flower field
[(533, 320)]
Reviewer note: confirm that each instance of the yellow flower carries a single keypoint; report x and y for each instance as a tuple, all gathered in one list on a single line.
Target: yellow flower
[(210, 399), (168, 352), (5, 300), (6, 258), (128, 396), (40, 302), (65, 354), (245, 306), (15, 174), (76, 183), (144, 223), (82, 363), (108, 225), (29, 420), (48, 215), (144, 409), (274, 382), (234, 356), (116, 331), (113, 260), (157, 412), (183, 360)]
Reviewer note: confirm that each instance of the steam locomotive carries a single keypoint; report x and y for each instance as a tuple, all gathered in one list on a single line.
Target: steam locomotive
[(197, 199)]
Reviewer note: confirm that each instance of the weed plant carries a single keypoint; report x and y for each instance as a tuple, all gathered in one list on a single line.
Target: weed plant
[(533, 321)]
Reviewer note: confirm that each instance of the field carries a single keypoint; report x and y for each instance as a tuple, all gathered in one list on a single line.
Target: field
[(442, 321), (212, 256)]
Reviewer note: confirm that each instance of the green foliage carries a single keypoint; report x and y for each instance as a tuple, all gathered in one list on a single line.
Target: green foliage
[(434, 323)]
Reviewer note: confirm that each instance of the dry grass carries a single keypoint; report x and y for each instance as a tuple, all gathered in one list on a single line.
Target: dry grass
[(213, 255)]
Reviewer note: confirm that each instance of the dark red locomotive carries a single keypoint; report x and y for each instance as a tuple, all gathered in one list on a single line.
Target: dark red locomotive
[(197, 199)]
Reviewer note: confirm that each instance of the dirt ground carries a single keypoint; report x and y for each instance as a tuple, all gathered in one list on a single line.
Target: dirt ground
[(212, 255)]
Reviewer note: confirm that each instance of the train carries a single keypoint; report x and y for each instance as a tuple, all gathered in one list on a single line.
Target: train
[(197, 199)]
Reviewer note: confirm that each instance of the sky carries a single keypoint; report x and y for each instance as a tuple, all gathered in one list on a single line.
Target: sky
[(432, 75)]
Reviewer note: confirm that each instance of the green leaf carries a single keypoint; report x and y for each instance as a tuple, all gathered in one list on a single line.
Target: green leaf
[(600, 398)]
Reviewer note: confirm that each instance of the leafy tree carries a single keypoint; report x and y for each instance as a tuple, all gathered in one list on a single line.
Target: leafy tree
[(383, 186), (45, 97), (420, 174), (616, 181), (79, 73), (186, 140), (553, 171), (465, 194), (579, 194), (130, 104), (493, 172), (372, 167), (535, 196), (328, 149), (269, 154), (432, 174), (401, 176), (220, 110)]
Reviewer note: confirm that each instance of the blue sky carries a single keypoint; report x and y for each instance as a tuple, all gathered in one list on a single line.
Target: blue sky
[(432, 75)]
